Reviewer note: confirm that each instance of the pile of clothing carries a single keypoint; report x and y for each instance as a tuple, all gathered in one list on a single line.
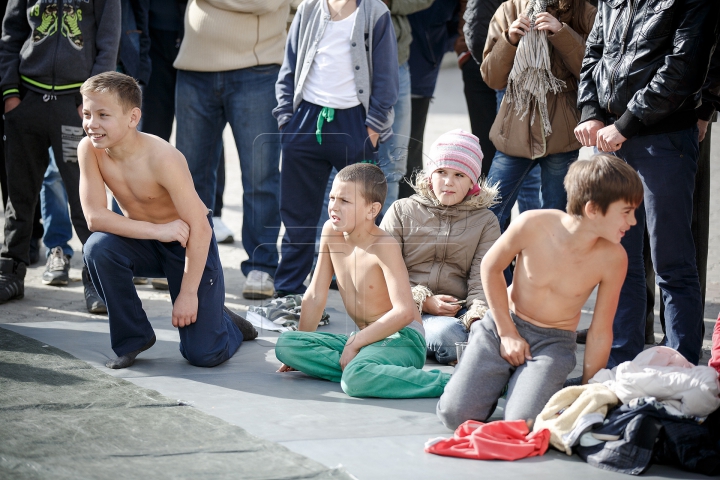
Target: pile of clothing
[(285, 312), (658, 408)]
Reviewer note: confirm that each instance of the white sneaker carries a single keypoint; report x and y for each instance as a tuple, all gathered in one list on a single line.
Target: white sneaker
[(222, 233), (258, 285)]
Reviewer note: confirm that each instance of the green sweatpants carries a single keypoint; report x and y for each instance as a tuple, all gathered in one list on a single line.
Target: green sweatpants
[(390, 368)]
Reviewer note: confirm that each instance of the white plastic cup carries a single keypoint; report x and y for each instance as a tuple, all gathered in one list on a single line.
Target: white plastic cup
[(460, 349)]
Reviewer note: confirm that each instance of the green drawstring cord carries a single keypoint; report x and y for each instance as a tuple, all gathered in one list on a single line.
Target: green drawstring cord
[(327, 113)]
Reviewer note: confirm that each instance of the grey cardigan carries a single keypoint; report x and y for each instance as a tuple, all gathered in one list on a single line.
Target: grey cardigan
[(376, 66)]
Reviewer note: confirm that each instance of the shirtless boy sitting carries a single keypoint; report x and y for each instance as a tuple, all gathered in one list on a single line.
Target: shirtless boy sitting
[(385, 358), (527, 339), (165, 231)]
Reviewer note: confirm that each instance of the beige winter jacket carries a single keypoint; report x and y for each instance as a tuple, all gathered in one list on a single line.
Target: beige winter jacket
[(223, 35), (516, 137), (443, 246)]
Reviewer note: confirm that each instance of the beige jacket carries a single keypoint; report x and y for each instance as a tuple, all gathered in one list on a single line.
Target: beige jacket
[(443, 246), (516, 137), (222, 35)]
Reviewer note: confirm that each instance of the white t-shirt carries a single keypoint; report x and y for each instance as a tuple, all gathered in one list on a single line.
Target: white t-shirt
[(331, 79)]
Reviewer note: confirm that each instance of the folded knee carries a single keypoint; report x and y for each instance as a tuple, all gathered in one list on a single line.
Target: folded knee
[(205, 360), (356, 381), (285, 346), (97, 247), (453, 414)]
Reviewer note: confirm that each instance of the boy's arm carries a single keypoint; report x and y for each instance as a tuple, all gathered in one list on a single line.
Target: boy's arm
[(285, 85), (316, 295), (600, 334), (513, 348), (384, 82), (100, 219), (491, 232), (15, 30), (173, 174), (403, 309), (107, 37)]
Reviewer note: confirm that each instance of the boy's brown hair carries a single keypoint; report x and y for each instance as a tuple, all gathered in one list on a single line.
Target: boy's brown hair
[(373, 186), (603, 179), (124, 87)]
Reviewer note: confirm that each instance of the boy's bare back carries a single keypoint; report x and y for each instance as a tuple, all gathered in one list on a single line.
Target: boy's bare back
[(361, 282), (554, 273)]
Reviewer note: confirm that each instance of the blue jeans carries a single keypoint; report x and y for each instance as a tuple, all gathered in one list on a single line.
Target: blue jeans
[(512, 171), (529, 196), (667, 165), (54, 208), (441, 333), (392, 155), (204, 103), (113, 261)]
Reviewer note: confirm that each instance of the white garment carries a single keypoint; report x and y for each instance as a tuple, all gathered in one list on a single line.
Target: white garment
[(663, 373), (331, 79)]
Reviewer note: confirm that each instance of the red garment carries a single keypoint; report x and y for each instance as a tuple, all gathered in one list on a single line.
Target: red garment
[(499, 440), (715, 354)]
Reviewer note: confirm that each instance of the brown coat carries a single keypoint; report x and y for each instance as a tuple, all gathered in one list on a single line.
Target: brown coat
[(516, 137), (443, 246)]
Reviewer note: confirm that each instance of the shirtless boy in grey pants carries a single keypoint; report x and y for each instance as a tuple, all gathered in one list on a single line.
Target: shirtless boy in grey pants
[(527, 339)]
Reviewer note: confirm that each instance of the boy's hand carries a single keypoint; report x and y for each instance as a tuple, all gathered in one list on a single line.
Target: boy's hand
[(349, 352), (175, 231), (518, 29), (11, 103), (373, 136), (586, 132), (438, 305), (515, 350), (285, 368), (184, 310)]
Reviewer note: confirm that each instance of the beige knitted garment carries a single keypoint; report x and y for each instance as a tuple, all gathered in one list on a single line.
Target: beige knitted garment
[(531, 78)]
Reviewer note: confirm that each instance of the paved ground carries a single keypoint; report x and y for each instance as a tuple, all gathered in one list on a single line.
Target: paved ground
[(371, 438)]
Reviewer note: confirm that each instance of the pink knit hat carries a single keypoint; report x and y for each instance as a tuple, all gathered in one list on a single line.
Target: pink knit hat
[(459, 150)]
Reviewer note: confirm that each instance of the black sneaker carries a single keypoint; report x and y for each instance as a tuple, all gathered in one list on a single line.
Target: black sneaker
[(246, 328), (12, 279), (92, 299), (57, 268)]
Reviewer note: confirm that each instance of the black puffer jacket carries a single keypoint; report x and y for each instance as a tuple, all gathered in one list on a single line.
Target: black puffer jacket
[(646, 62), (478, 14)]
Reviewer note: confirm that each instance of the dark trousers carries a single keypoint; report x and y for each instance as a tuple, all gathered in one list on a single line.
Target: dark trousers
[(305, 171), (481, 102), (30, 129), (113, 261), (420, 107), (701, 236), (667, 165), (159, 95)]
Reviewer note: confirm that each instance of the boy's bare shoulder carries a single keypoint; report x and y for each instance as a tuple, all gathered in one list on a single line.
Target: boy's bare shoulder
[(159, 152), (384, 245)]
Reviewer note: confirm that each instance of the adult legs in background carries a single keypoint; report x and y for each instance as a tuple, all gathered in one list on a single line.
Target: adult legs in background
[(393, 154), (159, 94), (56, 218), (420, 107), (480, 100), (667, 165)]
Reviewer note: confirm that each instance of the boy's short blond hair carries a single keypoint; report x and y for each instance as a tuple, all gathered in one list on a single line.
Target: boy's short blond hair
[(603, 179), (124, 87), (373, 186)]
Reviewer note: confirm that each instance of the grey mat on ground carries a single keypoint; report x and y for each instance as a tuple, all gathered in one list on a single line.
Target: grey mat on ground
[(61, 418)]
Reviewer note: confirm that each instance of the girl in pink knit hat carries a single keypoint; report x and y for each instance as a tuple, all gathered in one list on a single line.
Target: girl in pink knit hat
[(444, 230)]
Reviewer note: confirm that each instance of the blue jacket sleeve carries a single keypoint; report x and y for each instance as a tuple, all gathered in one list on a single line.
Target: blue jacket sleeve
[(385, 82), (285, 85), (107, 38)]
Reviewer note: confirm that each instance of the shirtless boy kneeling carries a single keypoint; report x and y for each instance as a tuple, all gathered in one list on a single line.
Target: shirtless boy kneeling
[(165, 231), (385, 358), (527, 339)]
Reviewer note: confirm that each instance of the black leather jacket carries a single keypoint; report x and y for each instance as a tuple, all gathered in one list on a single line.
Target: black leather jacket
[(646, 62)]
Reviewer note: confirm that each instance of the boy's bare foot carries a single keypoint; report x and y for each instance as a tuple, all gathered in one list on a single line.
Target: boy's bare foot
[(246, 328), (129, 358)]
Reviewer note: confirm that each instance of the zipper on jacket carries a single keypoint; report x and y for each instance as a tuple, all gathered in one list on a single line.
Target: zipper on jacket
[(622, 50)]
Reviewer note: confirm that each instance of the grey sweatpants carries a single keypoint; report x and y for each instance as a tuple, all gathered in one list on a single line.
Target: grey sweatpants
[(481, 375)]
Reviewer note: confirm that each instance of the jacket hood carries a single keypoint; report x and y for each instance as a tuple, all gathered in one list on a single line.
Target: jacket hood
[(487, 197)]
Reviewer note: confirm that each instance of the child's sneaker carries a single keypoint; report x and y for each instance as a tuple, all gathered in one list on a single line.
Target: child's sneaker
[(57, 268), (259, 285), (12, 279)]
